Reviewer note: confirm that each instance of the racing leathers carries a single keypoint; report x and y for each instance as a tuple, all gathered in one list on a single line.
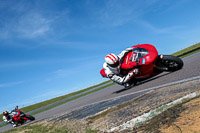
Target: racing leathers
[(9, 119), (114, 73)]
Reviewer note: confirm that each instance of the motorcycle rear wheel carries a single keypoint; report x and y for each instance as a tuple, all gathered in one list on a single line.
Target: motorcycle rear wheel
[(171, 63), (30, 117)]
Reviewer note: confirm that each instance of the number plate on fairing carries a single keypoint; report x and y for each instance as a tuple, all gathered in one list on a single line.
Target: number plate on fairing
[(143, 61)]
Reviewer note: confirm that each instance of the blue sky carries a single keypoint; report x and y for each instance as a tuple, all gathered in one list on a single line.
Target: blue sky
[(50, 48)]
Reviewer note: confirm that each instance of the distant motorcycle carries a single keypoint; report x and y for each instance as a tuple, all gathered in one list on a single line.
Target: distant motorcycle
[(20, 117), (145, 57)]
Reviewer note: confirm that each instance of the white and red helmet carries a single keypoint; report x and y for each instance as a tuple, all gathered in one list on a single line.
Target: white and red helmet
[(112, 60)]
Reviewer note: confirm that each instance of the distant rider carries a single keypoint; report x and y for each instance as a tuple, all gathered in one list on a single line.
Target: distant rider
[(7, 117), (112, 68)]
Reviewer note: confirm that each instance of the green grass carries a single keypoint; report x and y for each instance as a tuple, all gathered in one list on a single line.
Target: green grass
[(188, 49), (41, 104), (3, 125), (75, 98), (55, 127)]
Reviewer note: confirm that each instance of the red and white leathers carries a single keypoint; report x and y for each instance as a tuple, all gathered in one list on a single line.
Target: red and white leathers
[(114, 72), (9, 119)]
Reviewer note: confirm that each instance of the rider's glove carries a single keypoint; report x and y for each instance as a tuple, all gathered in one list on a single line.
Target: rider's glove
[(110, 75), (135, 71)]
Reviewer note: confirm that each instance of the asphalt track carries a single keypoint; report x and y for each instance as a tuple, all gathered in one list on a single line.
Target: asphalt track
[(190, 69)]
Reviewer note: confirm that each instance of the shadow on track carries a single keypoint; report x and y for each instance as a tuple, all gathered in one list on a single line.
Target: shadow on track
[(141, 82)]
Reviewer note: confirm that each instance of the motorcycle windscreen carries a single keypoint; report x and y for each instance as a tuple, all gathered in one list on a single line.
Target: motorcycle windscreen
[(147, 58)]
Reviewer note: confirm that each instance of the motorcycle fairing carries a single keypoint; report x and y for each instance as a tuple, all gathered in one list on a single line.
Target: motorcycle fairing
[(143, 57)]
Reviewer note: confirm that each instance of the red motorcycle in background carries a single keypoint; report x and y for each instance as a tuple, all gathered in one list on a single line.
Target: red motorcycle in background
[(20, 117), (145, 57)]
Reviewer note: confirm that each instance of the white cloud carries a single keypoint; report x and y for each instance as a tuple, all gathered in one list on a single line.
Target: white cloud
[(11, 84), (27, 26), (156, 29), (26, 20), (33, 25), (78, 67), (62, 73), (115, 13), (118, 13), (22, 63)]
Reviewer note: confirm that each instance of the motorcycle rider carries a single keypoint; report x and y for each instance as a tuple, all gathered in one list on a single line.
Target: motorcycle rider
[(7, 117), (111, 68)]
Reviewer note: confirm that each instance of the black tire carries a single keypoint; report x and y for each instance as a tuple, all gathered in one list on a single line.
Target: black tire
[(171, 63), (132, 81), (30, 117)]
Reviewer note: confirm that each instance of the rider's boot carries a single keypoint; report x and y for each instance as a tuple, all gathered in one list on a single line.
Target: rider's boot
[(130, 80), (127, 86), (14, 125)]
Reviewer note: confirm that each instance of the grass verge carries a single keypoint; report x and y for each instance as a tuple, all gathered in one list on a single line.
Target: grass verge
[(75, 98), (186, 50), (55, 127), (41, 104)]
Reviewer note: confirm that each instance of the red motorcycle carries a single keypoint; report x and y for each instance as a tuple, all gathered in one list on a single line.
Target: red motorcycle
[(145, 57), (20, 117)]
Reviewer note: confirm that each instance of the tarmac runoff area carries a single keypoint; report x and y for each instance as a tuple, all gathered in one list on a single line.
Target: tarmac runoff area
[(130, 115)]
